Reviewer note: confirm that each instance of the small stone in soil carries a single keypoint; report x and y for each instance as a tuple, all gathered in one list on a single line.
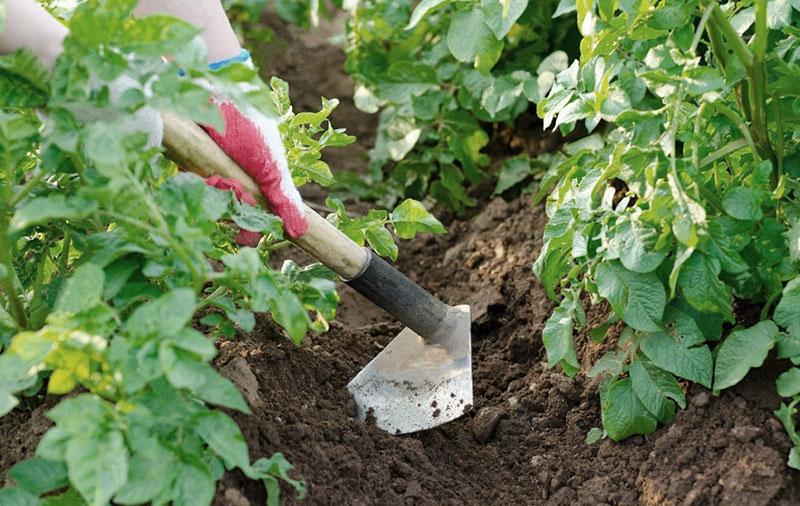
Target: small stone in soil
[(485, 423), (745, 434), (701, 399)]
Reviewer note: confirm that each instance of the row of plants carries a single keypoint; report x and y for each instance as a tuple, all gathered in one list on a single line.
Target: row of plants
[(681, 208), (118, 271), (680, 204)]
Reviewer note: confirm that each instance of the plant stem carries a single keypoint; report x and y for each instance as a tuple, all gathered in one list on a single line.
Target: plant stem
[(26, 188), (9, 278), (63, 257), (721, 23)]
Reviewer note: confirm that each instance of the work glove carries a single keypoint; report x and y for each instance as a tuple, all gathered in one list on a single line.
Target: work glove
[(253, 140)]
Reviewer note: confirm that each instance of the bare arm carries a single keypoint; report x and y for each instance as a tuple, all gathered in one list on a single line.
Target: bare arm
[(29, 25), (208, 15)]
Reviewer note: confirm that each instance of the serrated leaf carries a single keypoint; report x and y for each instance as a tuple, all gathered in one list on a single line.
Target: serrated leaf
[(742, 350), (669, 353)]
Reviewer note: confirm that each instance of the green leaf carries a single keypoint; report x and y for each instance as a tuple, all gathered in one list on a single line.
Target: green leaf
[(699, 281), (639, 299), (656, 389), (7, 402), (669, 17), (83, 290), (788, 383), (787, 312), (257, 219), (194, 484), (38, 475), (557, 334), (164, 316), (24, 82), (381, 240), (470, 40), (671, 354), (411, 218), (184, 370), (635, 243), (623, 414), (151, 473), (422, 9), (15, 496), (794, 458), (594, 435), (512, 172), (612, 363), (98, 465), (743, 203), (223, 436), (41, 210), (500, 18), (742, 350)]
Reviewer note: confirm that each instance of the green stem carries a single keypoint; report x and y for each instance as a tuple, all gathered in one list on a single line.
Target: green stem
[(737, 120), (721, 23), (779, 122), (63, 257), (26, 188), (9, 277)]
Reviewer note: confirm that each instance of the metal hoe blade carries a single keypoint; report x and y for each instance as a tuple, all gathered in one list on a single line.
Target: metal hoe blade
[(416, 384)]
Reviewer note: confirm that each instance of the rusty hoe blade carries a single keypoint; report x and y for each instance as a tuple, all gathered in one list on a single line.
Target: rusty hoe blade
[(423, 378)]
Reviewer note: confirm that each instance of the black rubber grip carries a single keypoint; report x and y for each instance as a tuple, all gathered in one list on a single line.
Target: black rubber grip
[(391, 290)]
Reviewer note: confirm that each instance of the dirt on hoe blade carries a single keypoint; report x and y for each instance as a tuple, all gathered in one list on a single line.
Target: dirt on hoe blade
[(524, 441)]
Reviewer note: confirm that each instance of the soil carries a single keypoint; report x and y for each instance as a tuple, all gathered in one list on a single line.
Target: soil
[(524, 441)]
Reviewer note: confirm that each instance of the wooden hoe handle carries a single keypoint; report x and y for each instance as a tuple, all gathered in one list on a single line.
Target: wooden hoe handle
[(192, 149)]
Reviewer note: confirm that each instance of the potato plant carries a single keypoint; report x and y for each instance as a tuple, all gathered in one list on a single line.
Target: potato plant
[(682, 204), (109, 256), (438, 72)]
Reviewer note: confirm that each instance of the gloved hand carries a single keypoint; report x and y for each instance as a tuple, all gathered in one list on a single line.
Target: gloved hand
[(253, 140)]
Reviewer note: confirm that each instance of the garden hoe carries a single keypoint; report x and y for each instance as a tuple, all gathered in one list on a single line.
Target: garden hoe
[(423, 378)]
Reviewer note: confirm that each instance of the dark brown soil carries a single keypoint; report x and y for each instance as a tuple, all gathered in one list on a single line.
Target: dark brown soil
[(720, 450)]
